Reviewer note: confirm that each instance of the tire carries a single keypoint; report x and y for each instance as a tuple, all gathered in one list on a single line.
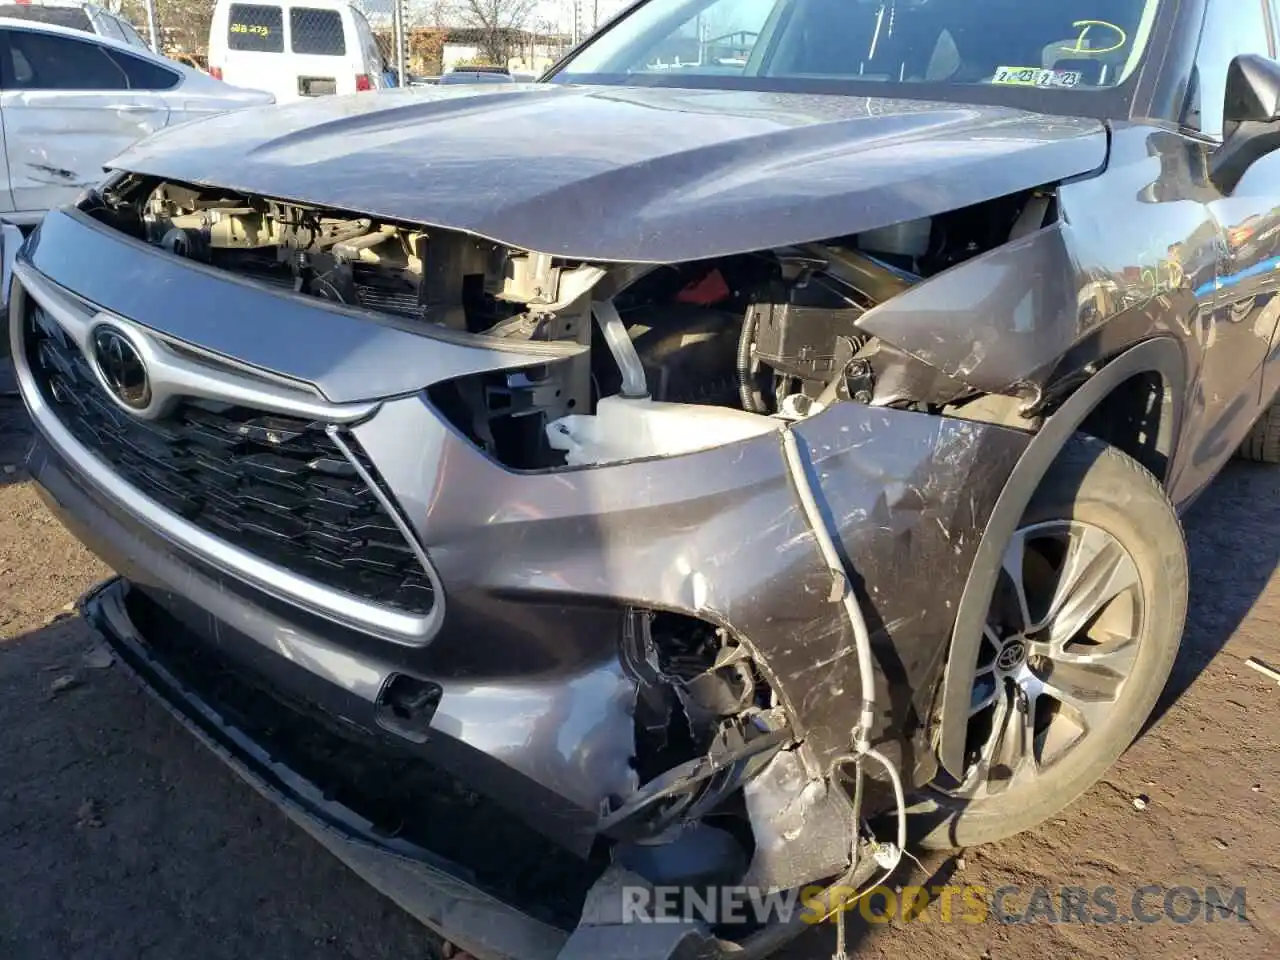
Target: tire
[(1095, 485), (1262, 445)]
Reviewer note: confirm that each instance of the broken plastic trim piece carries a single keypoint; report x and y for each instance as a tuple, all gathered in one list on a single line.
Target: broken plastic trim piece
[(693, 789), (801, 826)]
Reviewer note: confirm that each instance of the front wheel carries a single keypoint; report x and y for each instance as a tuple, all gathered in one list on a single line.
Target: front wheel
[(1262, 445), (1080, 639)]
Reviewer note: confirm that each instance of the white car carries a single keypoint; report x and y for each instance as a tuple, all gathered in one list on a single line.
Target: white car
[(77, 15), (71, 101)]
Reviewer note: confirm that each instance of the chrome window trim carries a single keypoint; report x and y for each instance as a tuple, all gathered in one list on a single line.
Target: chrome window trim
[(233, 386)]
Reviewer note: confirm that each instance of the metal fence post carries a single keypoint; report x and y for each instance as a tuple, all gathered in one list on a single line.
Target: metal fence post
[(401, 39), (152, 27)]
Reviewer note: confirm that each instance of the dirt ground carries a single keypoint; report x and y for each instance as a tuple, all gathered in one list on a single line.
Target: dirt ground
[(121, 838)]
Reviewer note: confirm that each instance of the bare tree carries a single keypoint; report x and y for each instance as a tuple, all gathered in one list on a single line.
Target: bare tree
[(434, 13), (183, 24), (497, 21)]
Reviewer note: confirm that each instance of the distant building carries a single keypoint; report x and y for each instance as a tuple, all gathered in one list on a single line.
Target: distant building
[(456, 53)]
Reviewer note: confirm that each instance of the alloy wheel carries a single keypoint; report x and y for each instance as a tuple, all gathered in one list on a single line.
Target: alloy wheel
[(1060, 642)]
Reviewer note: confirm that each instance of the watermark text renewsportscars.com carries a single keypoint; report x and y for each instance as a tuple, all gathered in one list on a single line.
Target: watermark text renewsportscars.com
[(944, 903)]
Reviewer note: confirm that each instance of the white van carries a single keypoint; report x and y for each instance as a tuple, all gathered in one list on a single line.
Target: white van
[(306, 49)]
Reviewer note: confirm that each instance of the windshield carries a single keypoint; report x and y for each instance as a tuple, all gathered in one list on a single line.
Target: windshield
[(1066, 45)]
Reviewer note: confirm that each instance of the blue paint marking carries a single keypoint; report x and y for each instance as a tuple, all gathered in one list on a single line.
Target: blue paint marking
[(1263, 266)]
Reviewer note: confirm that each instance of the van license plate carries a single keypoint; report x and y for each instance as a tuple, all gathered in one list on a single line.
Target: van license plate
[(317, 86)]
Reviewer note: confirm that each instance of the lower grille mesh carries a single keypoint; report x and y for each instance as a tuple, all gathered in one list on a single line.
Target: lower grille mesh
[(278, 487)]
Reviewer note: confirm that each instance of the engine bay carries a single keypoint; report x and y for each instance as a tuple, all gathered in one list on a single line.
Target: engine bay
[(677, 357)]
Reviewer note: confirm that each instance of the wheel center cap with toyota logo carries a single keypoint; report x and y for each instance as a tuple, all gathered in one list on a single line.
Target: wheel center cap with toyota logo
[(122, 369), (1011, 655)]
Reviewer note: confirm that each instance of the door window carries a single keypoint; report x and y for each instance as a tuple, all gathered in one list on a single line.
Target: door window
[(143, 74), (41, 61), (1231, 27), (316, 32), (255, 27)]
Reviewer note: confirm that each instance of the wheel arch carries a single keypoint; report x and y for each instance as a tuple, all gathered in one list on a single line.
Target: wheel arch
[(1162, 357)]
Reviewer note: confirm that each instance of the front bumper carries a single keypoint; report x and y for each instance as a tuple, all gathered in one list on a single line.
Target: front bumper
[(439, 893)]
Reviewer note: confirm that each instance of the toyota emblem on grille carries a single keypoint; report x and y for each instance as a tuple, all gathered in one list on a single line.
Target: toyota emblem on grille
[(122, 368)]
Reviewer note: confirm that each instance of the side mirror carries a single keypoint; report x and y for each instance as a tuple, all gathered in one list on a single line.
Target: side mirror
[(1250, 119)]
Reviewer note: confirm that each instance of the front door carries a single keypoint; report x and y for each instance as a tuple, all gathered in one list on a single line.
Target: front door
[(1241, 319)]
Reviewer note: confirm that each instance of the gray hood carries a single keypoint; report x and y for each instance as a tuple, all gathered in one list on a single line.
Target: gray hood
[(628, 174)]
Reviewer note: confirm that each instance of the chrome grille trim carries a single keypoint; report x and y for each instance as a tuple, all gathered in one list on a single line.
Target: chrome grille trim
[(232, 386), (178, 369)]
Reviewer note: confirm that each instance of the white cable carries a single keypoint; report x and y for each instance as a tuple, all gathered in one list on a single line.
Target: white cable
[(831, 556), (862, 643)]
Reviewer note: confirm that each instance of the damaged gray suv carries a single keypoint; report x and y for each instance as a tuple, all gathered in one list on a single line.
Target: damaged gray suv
[(755, 445)]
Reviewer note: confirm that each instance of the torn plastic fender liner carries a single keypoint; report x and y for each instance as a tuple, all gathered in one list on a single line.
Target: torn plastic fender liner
[(719, 534)]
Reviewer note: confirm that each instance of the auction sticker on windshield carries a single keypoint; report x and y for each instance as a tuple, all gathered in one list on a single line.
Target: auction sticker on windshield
[(1036, 77)]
